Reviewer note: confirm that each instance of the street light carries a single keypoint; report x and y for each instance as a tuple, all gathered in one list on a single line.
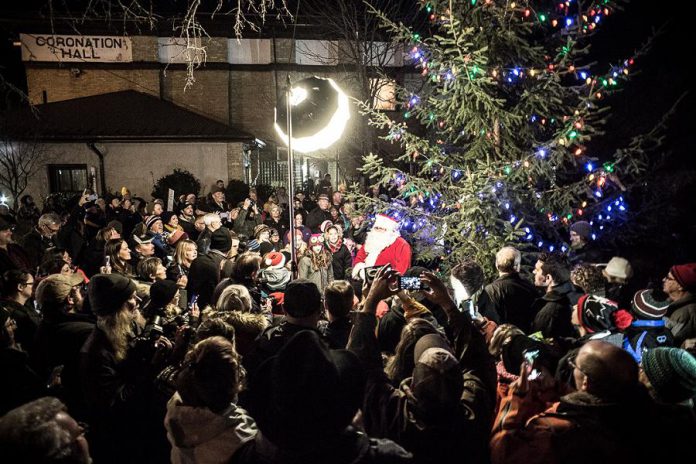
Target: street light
[(311, 115)]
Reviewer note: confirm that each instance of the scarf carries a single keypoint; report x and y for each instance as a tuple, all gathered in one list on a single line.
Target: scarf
[(333, 248)]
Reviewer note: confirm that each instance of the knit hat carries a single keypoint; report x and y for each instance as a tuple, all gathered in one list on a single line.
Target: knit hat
[(672, 373), (582, 228), (108, 292), (597, 314), (685, 275), (150, 221), (253, 245), (385, 222), (221, 240), (175, 236), (261, 228), (298, 404), (162, 292), (274, 260), (619, 267), (55, 288), (646, 306)]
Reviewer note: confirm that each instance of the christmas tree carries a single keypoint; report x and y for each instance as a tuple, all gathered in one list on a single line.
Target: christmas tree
[(497, 138)]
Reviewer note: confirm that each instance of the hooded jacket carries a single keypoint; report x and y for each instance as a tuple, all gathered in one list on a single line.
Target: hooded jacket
[(200, 436)]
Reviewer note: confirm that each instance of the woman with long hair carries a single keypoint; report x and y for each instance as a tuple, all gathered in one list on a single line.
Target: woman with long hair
[(184, 254), (119, 255), (315, 265)]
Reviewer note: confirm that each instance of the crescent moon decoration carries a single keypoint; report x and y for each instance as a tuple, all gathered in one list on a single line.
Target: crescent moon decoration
[(320, 113)]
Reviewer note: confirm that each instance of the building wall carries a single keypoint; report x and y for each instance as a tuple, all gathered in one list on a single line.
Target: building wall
[(139, 165)]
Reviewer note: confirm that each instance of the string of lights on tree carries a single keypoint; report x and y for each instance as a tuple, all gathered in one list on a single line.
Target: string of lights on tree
[(605, 203)]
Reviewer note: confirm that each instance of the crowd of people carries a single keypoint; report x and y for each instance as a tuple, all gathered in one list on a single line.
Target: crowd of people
[(134, 331)]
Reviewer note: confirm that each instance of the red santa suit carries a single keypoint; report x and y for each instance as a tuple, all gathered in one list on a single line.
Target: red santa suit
[(383, 247)]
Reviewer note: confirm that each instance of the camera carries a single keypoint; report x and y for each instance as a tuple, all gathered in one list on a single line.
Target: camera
[(412, 283), (153, 329), (371, 272)]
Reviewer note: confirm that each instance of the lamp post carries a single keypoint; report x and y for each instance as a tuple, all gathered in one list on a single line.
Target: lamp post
[(314, 113)]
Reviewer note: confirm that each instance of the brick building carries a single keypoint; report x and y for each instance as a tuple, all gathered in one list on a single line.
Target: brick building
[(236, 87)]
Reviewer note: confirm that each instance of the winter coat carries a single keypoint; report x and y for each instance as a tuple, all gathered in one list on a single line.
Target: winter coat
[(20, 384), (336, 332), (269, 343), (321, 277), (204, 275), (682, 319), (14, 257), (244, 225), (27, 319), (388, 413), (281, 226), (341, 261), (589, 253), (117, 394), (578, 429), (247, 328), (200, 436), (35, 245), (351, 447), (553, 312), (512, 297)]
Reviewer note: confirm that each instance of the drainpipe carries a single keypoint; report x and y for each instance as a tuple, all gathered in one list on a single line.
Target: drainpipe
[(102, 171)]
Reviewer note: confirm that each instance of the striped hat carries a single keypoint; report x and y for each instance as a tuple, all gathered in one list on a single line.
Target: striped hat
[(672, 373), (150, 221), (646, 306)]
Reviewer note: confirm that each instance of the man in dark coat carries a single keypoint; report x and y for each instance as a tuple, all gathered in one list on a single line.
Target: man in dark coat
[(510, 296), (443, 411), (304, 409), (41, 238), (318, 215), (204, 274), (61, 333), (302, 305), (553, 311), (583, 248)]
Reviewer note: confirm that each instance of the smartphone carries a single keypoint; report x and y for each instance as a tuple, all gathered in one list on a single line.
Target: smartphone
[(107, 261), (371, 272), (412, 283), (92, 197), (530, 357), (193, 300)]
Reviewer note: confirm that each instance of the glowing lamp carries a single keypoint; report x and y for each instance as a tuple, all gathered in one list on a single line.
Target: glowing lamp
[(320, 112)]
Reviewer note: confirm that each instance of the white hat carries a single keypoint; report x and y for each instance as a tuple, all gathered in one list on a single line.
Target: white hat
[(385, 222), (619, 268)]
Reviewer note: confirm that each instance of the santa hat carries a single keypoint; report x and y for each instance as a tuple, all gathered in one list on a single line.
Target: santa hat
[(386, 222), (274, 260)]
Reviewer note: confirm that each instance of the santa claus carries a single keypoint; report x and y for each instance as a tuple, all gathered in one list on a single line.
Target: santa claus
[(383, 245)]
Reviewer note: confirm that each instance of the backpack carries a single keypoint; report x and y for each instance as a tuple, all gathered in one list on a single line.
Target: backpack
[(645, 334)]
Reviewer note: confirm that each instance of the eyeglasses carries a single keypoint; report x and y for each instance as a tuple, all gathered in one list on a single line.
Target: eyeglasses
[(669, 277), (572, 363), (28, 284)]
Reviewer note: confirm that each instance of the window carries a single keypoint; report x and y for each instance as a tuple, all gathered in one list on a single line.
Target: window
[(67, 178)]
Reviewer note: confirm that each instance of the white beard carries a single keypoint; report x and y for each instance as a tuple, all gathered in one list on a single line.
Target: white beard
[(376, 242)]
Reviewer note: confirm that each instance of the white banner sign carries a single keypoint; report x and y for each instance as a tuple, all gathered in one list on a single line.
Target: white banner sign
[(76, 48)]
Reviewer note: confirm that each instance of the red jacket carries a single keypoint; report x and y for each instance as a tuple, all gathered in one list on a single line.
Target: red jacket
[(398, 254)]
